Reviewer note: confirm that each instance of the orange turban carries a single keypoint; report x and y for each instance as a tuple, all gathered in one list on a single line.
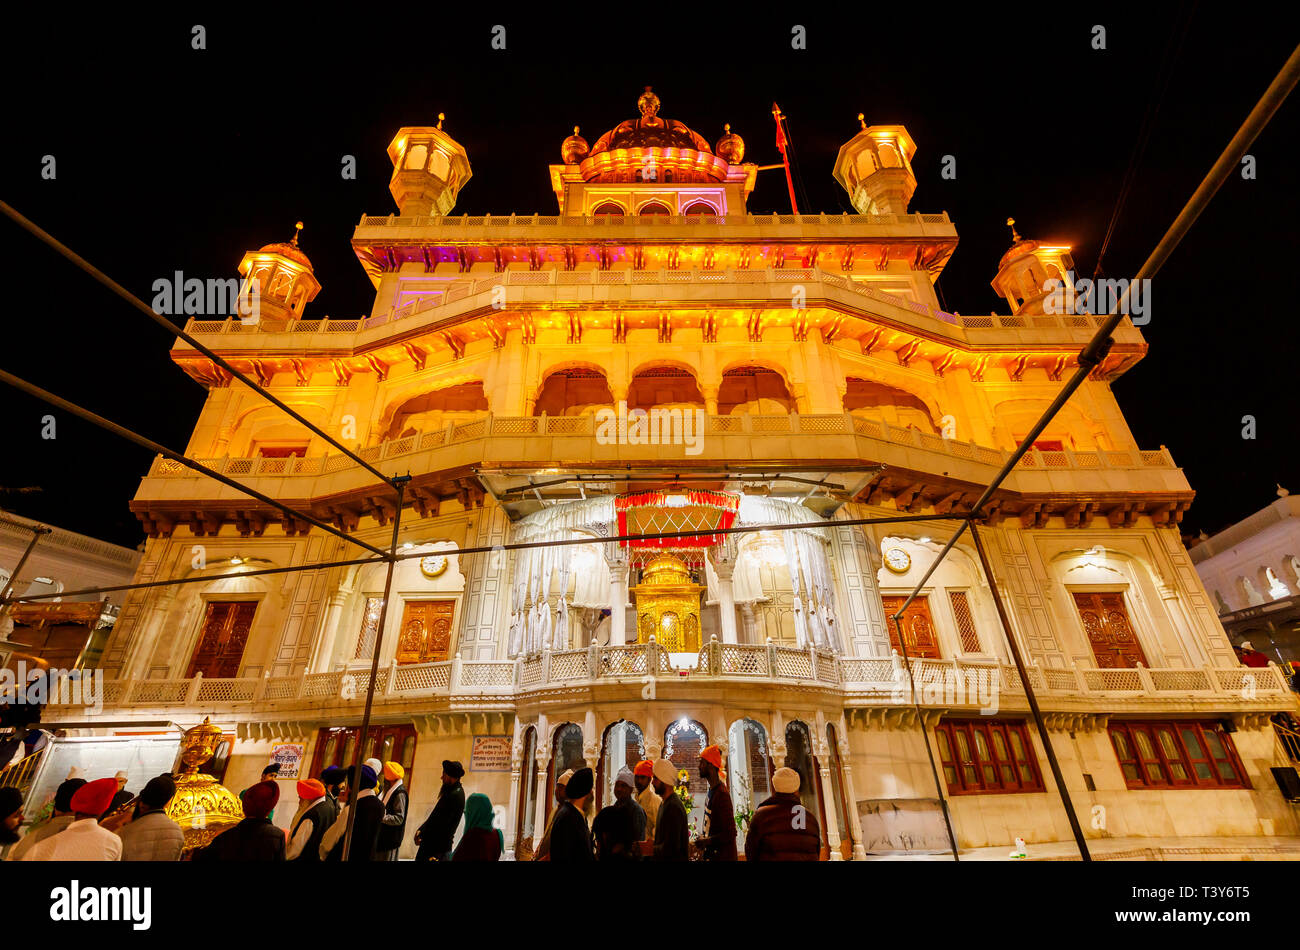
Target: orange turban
[(713, 755), (644, 768), (393, 771), (310, 789)]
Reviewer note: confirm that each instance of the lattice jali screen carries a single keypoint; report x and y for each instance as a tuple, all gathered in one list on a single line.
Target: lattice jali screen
[(744, 660), (794, 664), (619, 661), (1181, 681), (531, 674), (226, 691), (569, 665), (487, 675), (281, 687), (970, 641)]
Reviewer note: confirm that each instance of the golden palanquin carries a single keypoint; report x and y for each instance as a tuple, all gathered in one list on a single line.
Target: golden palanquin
[(668, 605)]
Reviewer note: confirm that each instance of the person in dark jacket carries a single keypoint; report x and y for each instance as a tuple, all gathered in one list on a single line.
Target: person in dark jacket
[(314, 818), (718, 843), (570, 836), (365, 827), (395, 798), (782, 829), (672, 838), (434, 836), (333, 778), (620, 827), (254, 838), (481, 841)]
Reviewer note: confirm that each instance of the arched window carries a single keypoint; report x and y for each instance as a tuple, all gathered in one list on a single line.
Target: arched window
[(889, 155), (1276, 589), (623, 745), (799, 756), (439, 165), (566, 753), (749, 768), (1248, 592), (701, 210), (683, 742), (608, 209), (416, 156), (653, 208)]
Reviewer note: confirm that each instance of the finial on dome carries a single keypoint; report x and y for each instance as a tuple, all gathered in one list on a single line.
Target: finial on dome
[(575, 130), (441, 116), (1011, 223), (297, 227), (574, 148), (731, 147), (648, 103), (1281, 492), (726, 127), (862, 121)]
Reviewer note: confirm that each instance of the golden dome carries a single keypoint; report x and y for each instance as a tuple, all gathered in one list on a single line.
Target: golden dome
[(202, 806), (731, 147), (574, 149), (650, 131), (666, 570), (289, 249)]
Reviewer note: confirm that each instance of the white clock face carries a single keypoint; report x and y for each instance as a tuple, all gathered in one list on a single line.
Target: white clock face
[(897, 560), (433, 565)]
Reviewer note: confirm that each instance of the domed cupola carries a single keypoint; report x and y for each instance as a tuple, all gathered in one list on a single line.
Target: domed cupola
[(651, 149), (285, 279), (574, 149), (731, 147)]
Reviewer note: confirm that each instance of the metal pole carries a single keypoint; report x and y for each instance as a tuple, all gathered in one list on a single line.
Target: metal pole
[(139, 304), (355, 782), (61, 403), (925, 737), (1033, 700)]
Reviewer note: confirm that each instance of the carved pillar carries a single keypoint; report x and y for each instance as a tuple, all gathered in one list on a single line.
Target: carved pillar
[(517, 765), (710, 394), (846, 770), (543, 757), (723, 558), (747, 622), (828, 789), (618, 601), (324, 651)]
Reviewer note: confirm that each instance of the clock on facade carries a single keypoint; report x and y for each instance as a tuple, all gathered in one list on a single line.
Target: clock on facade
[(433, 565), (898, 560)]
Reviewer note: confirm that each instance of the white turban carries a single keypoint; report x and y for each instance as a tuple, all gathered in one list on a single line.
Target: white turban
[(564, 777), (785, 780), (626, 777), (666, 772)]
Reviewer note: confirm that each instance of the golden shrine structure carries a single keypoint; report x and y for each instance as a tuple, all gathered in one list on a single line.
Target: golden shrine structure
[(653, 355)]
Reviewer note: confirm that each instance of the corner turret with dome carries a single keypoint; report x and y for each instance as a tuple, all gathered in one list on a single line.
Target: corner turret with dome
[(281, 277)]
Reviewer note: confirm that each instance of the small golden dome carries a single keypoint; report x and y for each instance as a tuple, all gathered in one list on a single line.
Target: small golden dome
[(666, 569), (731, 147), (289, 249), (574, 149)]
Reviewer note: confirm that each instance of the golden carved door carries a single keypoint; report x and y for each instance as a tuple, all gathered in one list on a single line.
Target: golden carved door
[(221, 643), (918, 627), (1111, 636), (425, 635)]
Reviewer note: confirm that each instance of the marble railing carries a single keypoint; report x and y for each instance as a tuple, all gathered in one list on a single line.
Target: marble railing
[(814, 280), (875, 681), (811, 424), (606, 220)]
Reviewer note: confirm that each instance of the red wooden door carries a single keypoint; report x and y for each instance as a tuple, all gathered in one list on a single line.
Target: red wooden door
[(426, 631), (918, 627), (222, 641), (337, 746), (1111, 636)]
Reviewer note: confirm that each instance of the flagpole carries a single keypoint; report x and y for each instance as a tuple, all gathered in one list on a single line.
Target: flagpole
[(785, 159)]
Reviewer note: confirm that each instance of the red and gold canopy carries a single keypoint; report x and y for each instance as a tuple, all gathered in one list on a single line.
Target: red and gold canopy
[(667, 512)]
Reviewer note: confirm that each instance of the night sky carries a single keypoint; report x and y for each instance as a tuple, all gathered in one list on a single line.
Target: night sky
[(174, 159)]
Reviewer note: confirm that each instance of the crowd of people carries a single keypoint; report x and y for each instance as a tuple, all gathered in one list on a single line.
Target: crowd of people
[(647, 820)]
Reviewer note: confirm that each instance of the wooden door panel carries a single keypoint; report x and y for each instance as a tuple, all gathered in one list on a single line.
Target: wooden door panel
[(1109, 632), (220, 650), (425, 635), (918, 627)]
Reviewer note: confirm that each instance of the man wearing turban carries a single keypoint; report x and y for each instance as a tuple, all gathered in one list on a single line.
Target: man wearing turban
[(393, 828), (255, 838), (434, 836), (718, 843), (570, 836), (365, 828), (314, 817), (62, 817), (83, 839), (646, 797)]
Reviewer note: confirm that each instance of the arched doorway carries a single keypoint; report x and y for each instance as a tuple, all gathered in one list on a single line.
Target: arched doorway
[(431, 411), (878, 401), (566, 753), (622, 745), (684, 740), (753, 390), (573, 392), (749, 769), (664, 386), (799, 756)]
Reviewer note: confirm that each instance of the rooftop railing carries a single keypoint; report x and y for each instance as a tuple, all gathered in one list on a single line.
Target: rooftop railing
[(461, 289), (955, 683), (652, 220)]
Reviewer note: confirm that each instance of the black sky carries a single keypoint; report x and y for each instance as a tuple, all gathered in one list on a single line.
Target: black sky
[(174, 159)]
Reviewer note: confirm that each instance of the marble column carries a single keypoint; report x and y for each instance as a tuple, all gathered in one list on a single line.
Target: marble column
[(324, 652), (617, 603), (726, 601)]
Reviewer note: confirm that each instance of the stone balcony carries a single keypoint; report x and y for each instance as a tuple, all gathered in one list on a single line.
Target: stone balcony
[(613, 671), (827, 442)]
